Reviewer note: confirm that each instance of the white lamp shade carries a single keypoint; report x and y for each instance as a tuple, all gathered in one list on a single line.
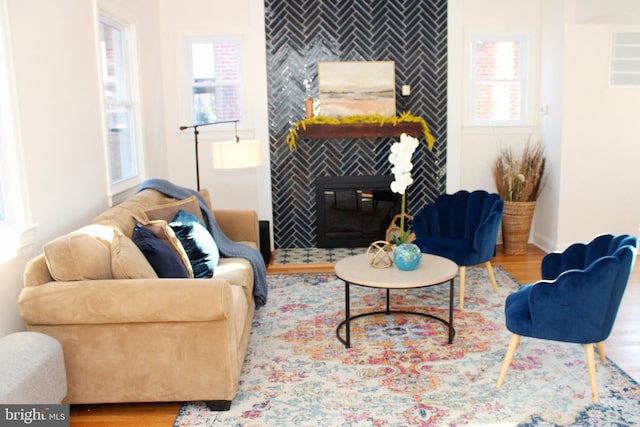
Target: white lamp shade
[(236, 155)]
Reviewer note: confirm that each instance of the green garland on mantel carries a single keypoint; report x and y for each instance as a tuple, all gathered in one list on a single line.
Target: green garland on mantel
[(405, 117)]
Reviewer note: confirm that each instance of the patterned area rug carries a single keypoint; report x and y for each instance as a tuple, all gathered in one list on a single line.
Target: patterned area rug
[(400, 370)]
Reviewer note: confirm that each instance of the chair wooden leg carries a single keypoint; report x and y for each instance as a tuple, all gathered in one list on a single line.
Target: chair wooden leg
[(463, 273), (513, 345), (591, 364), (601, 351), (491, 276)]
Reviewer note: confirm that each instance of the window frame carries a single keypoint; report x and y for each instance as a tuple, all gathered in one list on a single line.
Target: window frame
[(15, 225), (524, 79), (189, 80), (131, 102)]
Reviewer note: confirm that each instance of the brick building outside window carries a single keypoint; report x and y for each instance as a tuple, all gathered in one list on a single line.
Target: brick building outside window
[(215, 79), (498, 87)]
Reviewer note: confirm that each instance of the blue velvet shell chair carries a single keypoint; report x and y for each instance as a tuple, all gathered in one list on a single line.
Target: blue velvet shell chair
[(462, 227), (577, 299)]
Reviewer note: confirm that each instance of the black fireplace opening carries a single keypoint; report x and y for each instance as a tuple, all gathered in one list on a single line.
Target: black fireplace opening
[(354, 211)]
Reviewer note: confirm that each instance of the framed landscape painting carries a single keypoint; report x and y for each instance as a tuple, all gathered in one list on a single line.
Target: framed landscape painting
[(357, 88)]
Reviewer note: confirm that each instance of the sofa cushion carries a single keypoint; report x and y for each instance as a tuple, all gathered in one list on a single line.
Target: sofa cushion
[(198, 243), (83, 254), (168, 211), (237, 271), (164, 232), (127, 261), (163, 259)]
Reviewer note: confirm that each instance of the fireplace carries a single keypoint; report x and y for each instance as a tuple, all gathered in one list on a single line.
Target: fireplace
[(354, 211)]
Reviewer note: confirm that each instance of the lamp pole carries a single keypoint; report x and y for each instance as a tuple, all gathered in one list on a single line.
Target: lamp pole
[(195, 140)]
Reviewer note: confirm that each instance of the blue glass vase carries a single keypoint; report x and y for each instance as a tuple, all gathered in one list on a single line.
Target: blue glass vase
[(407, 256)]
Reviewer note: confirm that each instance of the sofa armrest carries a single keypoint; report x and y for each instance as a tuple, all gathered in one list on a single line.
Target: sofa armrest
[(126, 301), (239, 225)]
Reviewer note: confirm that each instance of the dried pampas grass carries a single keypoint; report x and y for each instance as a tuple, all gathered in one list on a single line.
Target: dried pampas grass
[(520, 179)]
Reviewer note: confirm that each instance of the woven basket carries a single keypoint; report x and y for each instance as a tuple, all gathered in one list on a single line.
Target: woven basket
[(516, 226)]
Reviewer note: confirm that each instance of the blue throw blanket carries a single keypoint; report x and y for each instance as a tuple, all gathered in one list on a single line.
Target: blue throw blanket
[(227, 247)]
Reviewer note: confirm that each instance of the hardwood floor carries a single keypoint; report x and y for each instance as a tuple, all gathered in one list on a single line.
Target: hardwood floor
[(623, 346)]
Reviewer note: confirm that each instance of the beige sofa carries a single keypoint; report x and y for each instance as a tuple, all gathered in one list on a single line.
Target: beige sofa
[(141, 339)]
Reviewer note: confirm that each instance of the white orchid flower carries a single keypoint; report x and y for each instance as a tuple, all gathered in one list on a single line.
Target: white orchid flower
[(400, 155), (395, 187), (397, 148), (409, 141)]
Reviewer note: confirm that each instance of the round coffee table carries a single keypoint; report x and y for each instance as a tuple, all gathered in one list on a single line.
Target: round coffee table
[(356, 270)]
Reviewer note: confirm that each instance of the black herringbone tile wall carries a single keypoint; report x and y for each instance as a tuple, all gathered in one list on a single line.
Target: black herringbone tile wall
[(301, 33)]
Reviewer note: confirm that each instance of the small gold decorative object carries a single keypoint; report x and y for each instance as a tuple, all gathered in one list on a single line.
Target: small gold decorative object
[(395, 233), (380, 254)]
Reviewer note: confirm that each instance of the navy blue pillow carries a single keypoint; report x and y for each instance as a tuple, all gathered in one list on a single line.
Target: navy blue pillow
[(197, 242), (163, 259)]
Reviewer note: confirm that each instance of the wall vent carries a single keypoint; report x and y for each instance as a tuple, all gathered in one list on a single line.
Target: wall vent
[(625, 59)]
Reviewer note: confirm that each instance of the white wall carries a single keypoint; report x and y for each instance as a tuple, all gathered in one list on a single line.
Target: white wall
[(471, 149), (590, 130), (230, 189), (55, 67), (60, 121), (600, 150), (545, 225)]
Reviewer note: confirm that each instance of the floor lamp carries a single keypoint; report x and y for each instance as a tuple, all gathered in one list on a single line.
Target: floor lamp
[(234, 154)]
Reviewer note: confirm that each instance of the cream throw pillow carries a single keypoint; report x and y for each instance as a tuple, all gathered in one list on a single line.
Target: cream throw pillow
[(83, 254), (168, 211), (127, 261)]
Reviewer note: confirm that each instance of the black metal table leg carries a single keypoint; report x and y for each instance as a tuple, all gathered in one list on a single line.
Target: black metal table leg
[(451, 330), (347, 310), (347, 321)]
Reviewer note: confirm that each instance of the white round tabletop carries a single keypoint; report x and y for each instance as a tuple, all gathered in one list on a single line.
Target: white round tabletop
[(432, 270)]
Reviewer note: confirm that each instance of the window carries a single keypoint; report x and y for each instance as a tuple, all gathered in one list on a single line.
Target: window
[(5, 125), (120, 106), (625, 59), (498, 88), (13, 209), (5, 141), (215, 80)]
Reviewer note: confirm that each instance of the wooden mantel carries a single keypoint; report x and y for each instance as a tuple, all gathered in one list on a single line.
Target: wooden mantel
[(359, 130)]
